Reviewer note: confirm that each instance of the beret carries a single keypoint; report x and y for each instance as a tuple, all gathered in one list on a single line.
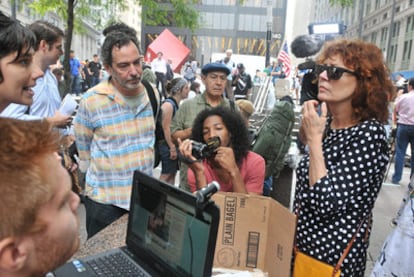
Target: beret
[(210, 67)]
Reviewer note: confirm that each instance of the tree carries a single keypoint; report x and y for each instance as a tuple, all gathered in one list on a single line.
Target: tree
[(342, 3), (156, 12)]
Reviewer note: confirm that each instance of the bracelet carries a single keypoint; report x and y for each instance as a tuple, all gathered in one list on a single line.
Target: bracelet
[(172, 150)]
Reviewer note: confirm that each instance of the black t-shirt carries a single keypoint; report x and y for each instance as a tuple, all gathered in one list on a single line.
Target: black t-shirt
[(95, 68), (242, 82)]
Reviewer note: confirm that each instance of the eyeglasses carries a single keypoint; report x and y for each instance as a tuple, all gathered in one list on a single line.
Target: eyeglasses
[(333, 72)]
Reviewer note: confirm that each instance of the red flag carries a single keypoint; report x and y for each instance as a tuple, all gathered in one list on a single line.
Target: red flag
[(285, 59)]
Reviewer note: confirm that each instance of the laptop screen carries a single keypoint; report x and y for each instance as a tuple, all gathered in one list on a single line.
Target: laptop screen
[(166, 230)]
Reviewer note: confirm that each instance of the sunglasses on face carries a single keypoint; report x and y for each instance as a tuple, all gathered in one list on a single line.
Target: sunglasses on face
[(333, 72)]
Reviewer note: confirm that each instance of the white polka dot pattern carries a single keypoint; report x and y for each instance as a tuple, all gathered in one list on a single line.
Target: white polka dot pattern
[(331, 211)]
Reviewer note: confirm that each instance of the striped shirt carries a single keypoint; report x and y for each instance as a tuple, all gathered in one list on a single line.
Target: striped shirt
[(115, 140)]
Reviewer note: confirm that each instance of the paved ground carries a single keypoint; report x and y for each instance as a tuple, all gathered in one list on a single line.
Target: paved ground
[(385, 209), (387, 205)]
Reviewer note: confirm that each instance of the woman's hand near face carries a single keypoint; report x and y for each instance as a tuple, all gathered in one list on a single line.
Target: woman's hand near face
[(313, 127), (313, 124)]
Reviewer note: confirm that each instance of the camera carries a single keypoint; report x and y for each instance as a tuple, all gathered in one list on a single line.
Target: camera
[(202, 151), (306, 46)]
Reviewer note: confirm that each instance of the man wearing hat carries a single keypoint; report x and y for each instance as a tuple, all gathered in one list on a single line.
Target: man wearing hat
[(242, 82), (214, 78)]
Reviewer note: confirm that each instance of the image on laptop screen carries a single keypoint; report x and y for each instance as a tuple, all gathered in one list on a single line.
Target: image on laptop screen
[(167, 227)]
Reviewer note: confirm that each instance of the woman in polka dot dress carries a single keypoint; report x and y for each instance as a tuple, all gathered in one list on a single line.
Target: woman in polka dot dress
[(339, 179)]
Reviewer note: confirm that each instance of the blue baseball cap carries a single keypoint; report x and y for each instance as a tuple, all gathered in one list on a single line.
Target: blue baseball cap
[(210, 67)]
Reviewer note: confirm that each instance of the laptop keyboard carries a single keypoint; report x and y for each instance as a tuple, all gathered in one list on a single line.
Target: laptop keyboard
[(115, 265)]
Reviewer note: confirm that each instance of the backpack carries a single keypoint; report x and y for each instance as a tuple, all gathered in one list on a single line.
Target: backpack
[(159, 132), (156, 110), (274, 137), (170, 73)]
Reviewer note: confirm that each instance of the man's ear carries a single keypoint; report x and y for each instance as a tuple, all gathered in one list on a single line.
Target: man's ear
[(108, 69), (13, 254), (43, 45)]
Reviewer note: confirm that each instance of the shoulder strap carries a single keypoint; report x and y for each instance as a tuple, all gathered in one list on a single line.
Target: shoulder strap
[(349, 246), (347, 249), (173, 103), (155, 104), (232, 105)]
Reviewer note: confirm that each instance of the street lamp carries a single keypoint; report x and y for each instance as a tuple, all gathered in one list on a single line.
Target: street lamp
[(268, 40), (269, 23)]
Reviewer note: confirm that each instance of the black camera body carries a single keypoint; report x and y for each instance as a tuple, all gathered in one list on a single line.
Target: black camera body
[(306, 46), (202, 151)]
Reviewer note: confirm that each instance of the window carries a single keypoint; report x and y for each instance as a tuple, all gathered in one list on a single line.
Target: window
[(368, 8), (410, 24), (396, 29), (218, 21), (397, 9), (384, 33), (407, 50), (374, 37), (393, 56)]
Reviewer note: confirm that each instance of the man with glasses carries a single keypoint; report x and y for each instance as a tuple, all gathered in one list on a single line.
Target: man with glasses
[(46, 99), (114, 130)]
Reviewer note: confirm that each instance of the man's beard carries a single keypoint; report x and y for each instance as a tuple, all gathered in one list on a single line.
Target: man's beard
[(126, 83), (51, 254)]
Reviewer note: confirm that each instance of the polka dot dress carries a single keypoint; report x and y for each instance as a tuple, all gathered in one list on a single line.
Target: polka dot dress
[(331, 211)]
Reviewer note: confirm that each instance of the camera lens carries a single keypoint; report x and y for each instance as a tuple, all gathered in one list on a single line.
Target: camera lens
[(202, 151)]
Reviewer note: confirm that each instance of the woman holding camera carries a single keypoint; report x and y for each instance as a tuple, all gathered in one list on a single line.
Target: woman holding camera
[(339, 179), (231, 164)]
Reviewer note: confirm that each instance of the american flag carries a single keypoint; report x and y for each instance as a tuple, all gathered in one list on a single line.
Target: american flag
[(285, 59)]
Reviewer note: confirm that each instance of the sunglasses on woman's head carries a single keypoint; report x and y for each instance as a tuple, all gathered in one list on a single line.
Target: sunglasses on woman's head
[(333, 72)]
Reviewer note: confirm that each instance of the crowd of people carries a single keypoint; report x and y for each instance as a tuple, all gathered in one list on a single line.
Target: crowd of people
[(115, 129)]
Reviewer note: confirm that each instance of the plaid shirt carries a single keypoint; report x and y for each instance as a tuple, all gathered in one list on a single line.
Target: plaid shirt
[(115, 140)]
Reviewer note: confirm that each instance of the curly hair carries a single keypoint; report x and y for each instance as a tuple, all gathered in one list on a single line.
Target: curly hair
[(374, 84), (234, 123)]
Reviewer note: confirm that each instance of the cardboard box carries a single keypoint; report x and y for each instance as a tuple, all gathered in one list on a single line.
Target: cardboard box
[(254, 232)]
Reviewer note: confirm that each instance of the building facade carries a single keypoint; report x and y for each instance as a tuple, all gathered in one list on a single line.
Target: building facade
[(387, 23), (227, 24)]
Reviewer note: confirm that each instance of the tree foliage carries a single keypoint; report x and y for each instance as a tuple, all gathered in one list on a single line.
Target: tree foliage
[(342, 3), (178, 13)]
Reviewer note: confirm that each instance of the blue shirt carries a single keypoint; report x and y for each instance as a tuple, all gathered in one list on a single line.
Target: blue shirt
[(74, 66)]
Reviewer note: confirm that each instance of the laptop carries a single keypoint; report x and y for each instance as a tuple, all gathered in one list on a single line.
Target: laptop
[(168, 234)]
